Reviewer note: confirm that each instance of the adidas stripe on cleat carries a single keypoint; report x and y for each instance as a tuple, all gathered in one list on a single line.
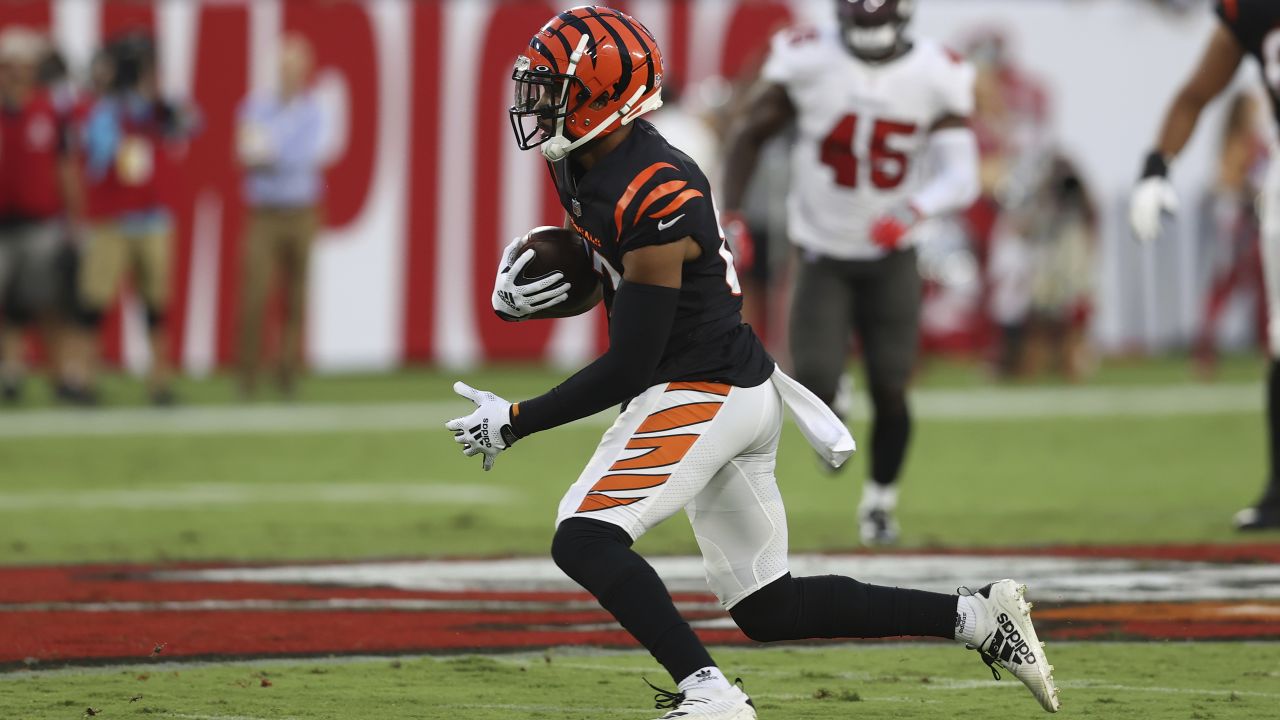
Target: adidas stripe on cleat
[(1009, 640)]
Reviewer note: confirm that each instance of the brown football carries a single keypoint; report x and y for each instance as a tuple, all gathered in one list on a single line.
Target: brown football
[(560, 249)]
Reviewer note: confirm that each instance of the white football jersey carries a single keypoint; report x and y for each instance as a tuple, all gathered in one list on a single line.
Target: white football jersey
[(862, 130)]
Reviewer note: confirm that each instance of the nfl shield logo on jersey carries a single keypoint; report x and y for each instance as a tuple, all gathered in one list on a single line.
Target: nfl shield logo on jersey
[(577, 208)]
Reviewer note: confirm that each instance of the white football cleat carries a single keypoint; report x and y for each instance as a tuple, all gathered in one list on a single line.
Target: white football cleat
[(876, 524), (1009, 640), (709, 704)]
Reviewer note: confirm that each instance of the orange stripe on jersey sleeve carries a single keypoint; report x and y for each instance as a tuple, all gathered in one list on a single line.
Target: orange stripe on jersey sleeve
[(660, 192), (706, 387), (636, 183), (618, 483), (678, 203), (664, 450), (594, 502), (679, 416)]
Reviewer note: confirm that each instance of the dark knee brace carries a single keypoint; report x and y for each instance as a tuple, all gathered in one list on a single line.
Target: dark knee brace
[(832, 606), (598, 556), (578, 548)]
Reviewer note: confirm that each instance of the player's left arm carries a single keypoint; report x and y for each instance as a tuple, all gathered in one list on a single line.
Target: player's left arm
[(951, 153), (643, 312), (640, 320)]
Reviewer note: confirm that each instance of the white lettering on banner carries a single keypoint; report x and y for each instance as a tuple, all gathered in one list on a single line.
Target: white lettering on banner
[(356, 295), (456, 340)]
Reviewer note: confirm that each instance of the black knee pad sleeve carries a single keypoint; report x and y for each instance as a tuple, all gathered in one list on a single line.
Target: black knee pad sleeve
[(889, 399), (769, 614), (594, 553)]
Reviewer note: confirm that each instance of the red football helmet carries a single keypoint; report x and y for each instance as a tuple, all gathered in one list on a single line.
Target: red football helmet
[(587, 72), (874, 30)]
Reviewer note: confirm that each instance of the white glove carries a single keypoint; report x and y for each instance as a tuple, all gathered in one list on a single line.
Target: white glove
[(486, 431), (516, 302), (1152, 198)]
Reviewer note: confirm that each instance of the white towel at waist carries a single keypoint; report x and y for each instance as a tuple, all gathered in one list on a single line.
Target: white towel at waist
[(824, 431)]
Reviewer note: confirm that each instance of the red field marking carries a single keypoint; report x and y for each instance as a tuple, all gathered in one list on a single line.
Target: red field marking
[(62, 615)]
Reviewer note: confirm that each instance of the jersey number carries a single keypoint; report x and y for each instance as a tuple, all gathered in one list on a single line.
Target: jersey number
[(888, 166), (730, 272)]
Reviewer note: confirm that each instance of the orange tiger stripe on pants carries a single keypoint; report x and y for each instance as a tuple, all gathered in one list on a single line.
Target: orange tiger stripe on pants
[(707, 387), (595, 502), (679, 416)]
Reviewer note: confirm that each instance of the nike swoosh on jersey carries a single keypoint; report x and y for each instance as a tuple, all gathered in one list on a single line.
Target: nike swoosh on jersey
[(664, 225)]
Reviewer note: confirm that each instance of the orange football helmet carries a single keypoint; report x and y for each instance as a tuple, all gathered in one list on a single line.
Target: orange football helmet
[(588, 72)]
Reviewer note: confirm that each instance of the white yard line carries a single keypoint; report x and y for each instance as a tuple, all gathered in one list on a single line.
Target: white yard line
[(969, 404), (187, 495), (1060, 579)]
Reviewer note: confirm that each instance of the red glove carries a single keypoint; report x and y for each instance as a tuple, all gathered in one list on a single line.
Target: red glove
[(738, 235), (890, 229)]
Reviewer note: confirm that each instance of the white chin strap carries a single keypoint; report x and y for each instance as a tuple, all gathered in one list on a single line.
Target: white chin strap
[(558, 147)]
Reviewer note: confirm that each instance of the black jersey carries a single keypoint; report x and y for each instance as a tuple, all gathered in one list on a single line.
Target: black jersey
[(1256, 24), (646, 192)]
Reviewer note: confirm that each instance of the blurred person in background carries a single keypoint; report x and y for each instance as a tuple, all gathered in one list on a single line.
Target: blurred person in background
[(279, 145), (131, 136), (1246, 27), (1044, 252), (37, 191), (1231, 255), (1011, 120), (883, 143)]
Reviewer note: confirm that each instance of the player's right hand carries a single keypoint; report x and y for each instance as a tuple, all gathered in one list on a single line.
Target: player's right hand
[(487, 430), (1152, 199), (513, 302)]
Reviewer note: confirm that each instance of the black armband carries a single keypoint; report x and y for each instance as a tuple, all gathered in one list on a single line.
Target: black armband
[(639, 326), (1155, 166)]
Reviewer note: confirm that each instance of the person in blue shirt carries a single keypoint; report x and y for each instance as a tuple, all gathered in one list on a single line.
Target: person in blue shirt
[(279, 144)]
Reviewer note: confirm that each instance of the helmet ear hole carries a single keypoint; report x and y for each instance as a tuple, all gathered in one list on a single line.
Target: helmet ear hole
[(600, 102)]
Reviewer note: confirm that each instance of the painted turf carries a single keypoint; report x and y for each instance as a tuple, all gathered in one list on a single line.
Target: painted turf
[(73, 615)]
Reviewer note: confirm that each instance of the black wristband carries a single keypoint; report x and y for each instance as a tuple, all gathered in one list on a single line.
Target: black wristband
[(639, 327), (1155, 166)]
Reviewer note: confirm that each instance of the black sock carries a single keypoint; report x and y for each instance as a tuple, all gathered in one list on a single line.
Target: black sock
[(1272, 494), (890, 433), (832, 606), (598, 556)]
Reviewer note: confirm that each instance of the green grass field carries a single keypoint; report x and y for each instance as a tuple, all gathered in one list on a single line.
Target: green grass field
[(1206, 681), (360, 468)]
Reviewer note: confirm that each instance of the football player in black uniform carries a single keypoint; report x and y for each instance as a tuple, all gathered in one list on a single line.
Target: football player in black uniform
[(1247, 27), (703, 400)]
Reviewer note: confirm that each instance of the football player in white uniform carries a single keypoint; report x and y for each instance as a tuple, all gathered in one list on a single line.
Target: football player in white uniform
[(1246, 28), (883, 142)]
